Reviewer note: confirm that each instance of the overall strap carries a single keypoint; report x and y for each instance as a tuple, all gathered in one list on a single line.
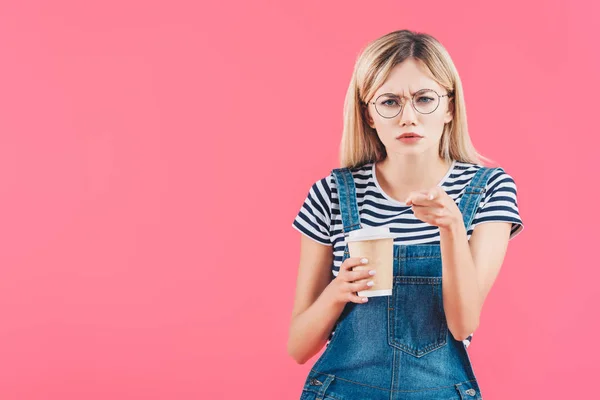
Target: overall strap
[(347, 199), (473, 194)]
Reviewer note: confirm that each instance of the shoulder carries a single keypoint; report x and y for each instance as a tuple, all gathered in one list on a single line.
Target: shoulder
[(468, 170), (360, 175), (325, 188), (321, 189), (499, 201)]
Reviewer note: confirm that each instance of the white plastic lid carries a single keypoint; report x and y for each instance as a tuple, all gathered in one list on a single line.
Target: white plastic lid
[(370, 233)]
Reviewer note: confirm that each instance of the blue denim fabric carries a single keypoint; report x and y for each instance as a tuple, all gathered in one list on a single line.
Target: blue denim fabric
[(397, 347)]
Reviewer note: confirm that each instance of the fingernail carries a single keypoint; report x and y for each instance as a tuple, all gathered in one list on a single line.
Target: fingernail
[(372, 272), (370, 283), (364, 260), (365, 299)]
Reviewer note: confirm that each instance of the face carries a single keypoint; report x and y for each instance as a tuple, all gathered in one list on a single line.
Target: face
[(405, 79)]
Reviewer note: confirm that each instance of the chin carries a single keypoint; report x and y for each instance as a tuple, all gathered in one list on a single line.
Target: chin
[(413, 148), (409, 152)]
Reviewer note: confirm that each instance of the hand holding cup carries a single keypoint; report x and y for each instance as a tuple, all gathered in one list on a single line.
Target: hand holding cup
[(348, 282)]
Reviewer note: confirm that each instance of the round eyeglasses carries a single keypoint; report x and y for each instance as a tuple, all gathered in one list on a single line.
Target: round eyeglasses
[(425, 101)]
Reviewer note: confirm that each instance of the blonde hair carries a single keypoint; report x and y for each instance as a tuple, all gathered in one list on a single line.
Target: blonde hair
[(360, 143)]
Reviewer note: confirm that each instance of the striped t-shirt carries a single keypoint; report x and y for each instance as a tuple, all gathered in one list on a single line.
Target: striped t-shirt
[(319, 217)]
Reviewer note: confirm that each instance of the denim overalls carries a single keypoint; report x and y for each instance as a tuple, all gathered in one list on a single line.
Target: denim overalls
[(397, 347)]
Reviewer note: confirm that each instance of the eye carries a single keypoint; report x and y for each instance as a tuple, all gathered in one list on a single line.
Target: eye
[(424, 99), (387, 102)]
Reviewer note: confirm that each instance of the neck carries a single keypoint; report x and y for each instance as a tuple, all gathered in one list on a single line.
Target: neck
[(402, 174)]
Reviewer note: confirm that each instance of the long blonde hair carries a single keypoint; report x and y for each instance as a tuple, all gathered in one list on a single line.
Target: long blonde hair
[(360, 143)]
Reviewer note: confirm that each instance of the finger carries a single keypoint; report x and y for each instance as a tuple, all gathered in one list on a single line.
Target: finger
[(412, 197), (417, 197), (357, 299), (360, 274), (409, 199), (363, 285), (352, 262), (432, 194), (354, 287)]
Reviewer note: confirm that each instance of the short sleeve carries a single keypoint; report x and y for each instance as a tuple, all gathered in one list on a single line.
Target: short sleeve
[(314, 217), (500, 202)]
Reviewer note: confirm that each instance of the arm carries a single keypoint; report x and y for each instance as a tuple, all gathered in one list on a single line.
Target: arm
[(315, 311), (469, 267), (469, 271)]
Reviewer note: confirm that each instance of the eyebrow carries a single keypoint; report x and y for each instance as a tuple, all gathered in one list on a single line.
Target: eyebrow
[(411, 93)]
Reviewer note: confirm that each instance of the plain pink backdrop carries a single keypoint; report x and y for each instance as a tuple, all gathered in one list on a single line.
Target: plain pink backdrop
[(153, 155)]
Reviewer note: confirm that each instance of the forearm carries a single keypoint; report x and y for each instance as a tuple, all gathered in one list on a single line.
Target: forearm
[(310, 329), (461, 294)]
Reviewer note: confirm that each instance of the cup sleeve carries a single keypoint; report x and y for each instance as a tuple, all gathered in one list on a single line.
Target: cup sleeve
[(314, 217), (500, 203)]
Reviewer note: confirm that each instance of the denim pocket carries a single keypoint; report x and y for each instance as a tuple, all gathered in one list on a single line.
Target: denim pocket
[(417, 322), (308, 395), (316, 387)]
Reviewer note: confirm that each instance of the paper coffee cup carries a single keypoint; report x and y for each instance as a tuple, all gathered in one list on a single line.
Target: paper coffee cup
[(377, 245)]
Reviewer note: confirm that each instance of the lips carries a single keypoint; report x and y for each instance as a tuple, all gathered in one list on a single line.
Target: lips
[(408, 134)]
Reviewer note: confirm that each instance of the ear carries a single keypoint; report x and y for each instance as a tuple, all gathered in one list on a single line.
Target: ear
[(367, 116), (450, 112)]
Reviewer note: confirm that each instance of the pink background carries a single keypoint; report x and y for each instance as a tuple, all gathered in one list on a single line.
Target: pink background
[(154, 154)]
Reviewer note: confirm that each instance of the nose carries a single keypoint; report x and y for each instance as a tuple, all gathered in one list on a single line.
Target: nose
[(408, 114)]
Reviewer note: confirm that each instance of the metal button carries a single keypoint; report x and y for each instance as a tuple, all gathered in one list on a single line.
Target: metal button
[(315, 382), (470, 392)]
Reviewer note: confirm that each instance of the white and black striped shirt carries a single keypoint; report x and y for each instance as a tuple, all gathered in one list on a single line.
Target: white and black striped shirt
[(319, 217)]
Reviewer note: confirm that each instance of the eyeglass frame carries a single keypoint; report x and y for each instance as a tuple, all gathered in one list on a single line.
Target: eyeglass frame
[(449, 95)]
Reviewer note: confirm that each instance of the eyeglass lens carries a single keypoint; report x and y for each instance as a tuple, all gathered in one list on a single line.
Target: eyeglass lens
[(389, 105)]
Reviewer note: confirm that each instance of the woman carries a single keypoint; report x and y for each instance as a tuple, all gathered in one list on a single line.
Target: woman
[(406, 163)]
